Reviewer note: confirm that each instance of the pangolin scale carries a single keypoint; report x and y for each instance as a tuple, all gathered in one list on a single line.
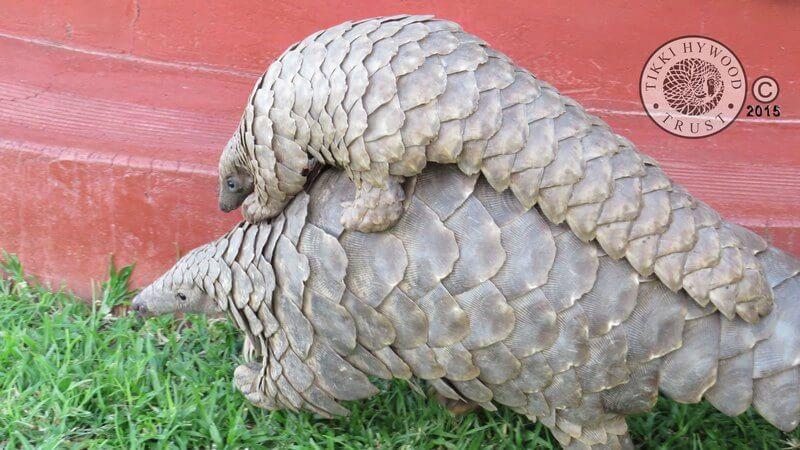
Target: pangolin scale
[(490, 303), (383, 97)]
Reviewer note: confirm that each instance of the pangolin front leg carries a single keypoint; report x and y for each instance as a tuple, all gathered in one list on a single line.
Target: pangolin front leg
[(247, 379), (255, 210), (374, 208), (453, 406)]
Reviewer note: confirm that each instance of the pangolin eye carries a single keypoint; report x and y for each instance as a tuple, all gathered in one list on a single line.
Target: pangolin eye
[(231, 184), (181, 296)]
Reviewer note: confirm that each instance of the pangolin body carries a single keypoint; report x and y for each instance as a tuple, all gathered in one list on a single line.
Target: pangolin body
[(489, 302), (383, 97)]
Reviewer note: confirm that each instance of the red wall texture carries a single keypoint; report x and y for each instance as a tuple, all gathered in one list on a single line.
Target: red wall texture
[(113, 113)]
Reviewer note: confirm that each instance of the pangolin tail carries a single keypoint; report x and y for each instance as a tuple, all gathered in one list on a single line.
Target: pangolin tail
[(768, 374), (756, 365)]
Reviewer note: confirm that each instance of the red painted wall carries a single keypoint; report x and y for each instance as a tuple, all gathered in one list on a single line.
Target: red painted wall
[(112, 113)]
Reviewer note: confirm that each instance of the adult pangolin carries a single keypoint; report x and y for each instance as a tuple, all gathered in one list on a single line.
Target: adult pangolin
[(490, 303), (382, 97)]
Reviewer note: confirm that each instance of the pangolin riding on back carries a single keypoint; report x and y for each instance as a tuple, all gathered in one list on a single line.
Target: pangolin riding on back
[(381, 98)]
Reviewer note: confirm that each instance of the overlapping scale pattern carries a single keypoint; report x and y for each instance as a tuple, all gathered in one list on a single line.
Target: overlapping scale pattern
[(491, 304), (383, 97)]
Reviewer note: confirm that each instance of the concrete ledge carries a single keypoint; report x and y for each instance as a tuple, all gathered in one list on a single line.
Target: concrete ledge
[(71, 209), (100, 155), (107, 153)]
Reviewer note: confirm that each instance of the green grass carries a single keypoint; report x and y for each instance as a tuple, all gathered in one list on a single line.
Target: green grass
[(74, 375)]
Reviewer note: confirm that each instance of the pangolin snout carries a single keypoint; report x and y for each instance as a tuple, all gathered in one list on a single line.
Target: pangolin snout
[(226, 207), (139, 307)]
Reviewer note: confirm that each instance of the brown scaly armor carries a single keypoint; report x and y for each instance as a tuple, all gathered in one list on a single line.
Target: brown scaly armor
[(383, 97), (490, 303)]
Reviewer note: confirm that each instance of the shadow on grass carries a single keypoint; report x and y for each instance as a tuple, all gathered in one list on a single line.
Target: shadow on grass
[(88, 375)]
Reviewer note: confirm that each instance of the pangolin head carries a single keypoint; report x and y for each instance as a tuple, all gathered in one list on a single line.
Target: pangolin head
[(183, 288), (231, 272), (235, 175)]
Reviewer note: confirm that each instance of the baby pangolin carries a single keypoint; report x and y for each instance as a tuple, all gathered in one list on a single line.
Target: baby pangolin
[(381, 98), (490, 303)]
